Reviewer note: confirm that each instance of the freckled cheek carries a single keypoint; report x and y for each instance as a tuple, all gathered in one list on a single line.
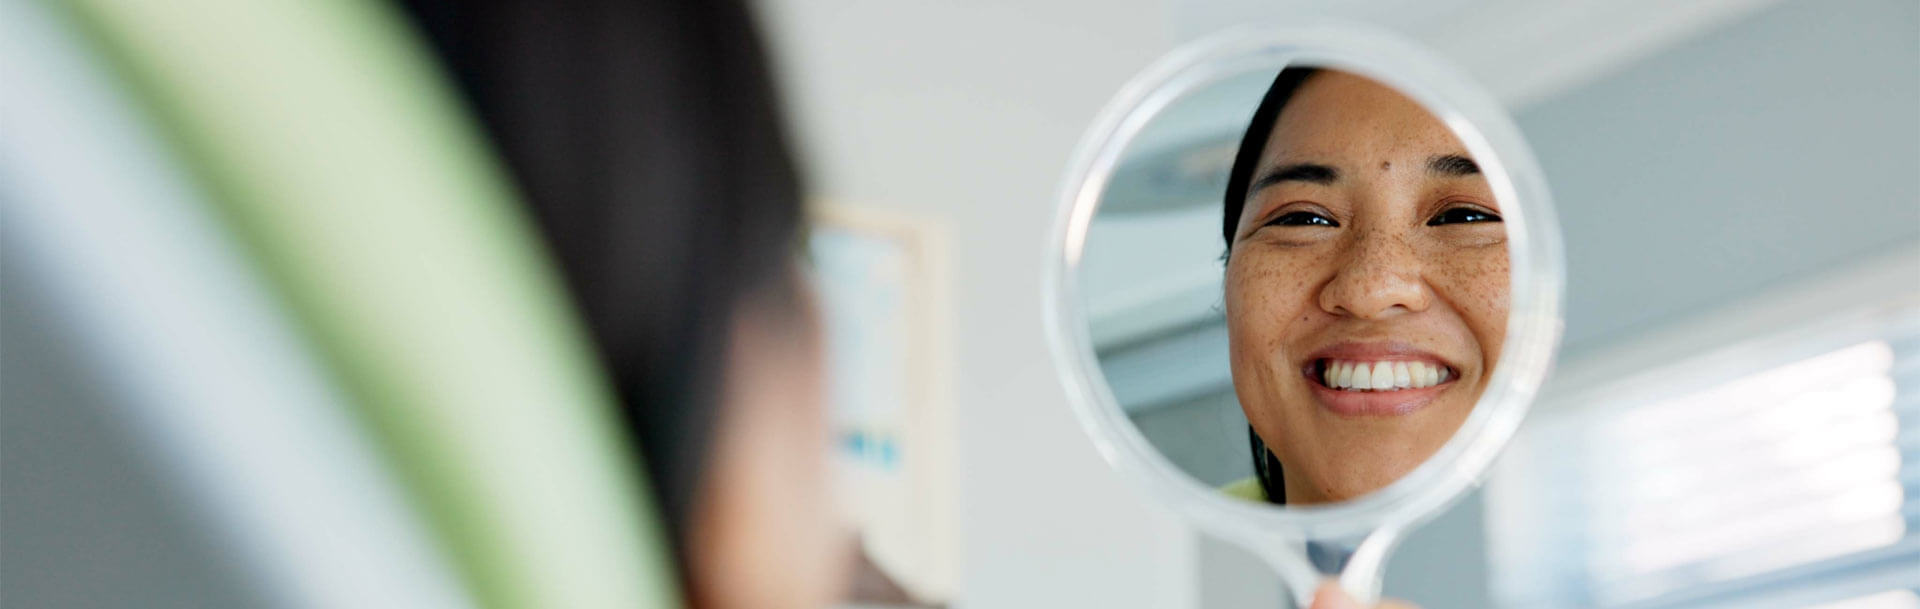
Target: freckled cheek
[(1267, 295), (1478, 285)]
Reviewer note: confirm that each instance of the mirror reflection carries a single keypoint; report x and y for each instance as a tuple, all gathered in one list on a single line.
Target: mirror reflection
[(1300, 288)]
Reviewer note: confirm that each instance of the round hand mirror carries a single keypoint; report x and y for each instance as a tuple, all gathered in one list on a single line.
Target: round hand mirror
[(1304, 284)]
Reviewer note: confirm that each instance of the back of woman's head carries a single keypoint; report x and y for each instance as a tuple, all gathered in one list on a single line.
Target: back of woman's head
[(646, 139)]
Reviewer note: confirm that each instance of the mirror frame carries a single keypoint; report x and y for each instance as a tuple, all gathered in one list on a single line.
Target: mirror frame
[(1372, 524)]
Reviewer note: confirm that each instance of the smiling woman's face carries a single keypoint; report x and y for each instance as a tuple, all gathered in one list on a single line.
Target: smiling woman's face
[(1366, 288)]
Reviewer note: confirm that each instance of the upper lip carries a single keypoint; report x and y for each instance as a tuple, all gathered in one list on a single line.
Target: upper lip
[(1375, 351)]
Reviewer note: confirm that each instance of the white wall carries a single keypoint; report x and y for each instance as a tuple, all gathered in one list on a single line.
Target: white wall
[(966, 113)]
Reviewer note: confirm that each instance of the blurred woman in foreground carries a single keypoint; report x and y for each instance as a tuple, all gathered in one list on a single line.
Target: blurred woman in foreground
[(646, 138)]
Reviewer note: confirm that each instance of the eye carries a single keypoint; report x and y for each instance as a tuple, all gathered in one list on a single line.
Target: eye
[(1302, 218), (1459, 215)]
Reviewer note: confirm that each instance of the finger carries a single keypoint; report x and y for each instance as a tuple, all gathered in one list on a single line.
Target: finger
[(1396, 604), (1330, 596)]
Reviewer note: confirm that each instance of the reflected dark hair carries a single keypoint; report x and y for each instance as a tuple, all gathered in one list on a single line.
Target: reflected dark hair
[(1254, 142), (1266, 468), (646, 139)]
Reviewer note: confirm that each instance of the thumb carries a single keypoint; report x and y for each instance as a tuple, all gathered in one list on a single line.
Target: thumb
[(1330, 596)]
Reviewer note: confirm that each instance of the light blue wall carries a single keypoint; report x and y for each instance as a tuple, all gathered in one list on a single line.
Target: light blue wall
[(1773, 150)]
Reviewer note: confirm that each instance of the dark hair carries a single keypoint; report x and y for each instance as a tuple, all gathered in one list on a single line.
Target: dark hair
[(646, 138), (1254, 142), (1266, 468)]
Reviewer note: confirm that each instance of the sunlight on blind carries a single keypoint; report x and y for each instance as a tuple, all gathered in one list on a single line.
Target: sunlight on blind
[(1646, 493), (1891, 599), (1778, 457)]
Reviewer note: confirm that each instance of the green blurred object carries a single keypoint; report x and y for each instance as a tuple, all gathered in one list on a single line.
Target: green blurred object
[(335, 150)]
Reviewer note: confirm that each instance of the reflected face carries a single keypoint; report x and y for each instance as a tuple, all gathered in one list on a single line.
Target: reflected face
[(1366, 288)]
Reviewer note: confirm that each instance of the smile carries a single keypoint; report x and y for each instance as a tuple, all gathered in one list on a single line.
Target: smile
[(1379, 376), (1386, 378)]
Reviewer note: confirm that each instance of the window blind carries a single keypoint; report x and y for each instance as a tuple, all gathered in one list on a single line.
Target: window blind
[(1776, 473)]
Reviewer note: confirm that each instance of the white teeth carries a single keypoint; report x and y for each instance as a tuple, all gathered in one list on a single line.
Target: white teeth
[(1383, 376)]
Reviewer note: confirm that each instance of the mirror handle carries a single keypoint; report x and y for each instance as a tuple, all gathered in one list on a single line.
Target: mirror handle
[(1357, 563)]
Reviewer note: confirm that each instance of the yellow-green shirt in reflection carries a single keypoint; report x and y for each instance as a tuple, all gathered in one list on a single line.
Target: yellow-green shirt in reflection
[(1246, 488)]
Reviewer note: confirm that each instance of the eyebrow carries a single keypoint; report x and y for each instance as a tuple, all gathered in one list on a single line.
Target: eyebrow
[(1452, 166), (1311, 173)]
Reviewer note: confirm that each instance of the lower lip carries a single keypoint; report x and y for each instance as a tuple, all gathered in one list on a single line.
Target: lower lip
[(1376, 403)]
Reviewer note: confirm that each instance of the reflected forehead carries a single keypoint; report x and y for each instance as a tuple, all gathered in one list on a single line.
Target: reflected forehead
[(1346, 120)]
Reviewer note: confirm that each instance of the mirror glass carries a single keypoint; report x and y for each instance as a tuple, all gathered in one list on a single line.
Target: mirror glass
[(1297, 284)]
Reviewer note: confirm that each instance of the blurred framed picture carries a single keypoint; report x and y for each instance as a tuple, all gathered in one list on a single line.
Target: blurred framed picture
[(882, 281)]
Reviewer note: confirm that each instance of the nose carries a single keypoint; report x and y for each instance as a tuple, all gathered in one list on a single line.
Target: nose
[(1379, 276)]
